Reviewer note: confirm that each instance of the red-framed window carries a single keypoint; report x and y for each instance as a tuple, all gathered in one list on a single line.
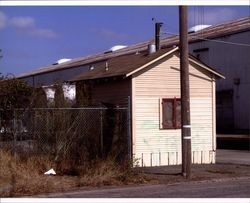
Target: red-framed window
[(171, 113)]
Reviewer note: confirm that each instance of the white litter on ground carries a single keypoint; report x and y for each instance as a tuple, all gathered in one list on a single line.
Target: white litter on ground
[(50, 172)]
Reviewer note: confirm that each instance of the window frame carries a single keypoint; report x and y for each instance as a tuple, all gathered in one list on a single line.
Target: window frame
[(174, 110)]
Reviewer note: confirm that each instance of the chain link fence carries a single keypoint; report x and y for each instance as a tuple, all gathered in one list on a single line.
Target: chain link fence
[(75, 134)]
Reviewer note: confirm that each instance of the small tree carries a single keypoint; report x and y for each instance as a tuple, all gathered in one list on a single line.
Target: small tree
[(14, 93), (59, 99), (83, 94), (39, 98)]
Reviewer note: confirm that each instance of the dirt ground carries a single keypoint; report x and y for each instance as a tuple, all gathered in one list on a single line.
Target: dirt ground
[(172, 174)]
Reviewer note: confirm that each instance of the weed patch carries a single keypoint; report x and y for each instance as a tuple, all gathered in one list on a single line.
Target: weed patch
[(24, 176)]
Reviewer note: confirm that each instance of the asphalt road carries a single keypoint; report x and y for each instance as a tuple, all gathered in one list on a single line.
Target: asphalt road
[(230, 188), (232, 157)]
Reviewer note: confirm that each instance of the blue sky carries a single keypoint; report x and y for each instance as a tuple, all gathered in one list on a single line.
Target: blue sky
[(32, 37)]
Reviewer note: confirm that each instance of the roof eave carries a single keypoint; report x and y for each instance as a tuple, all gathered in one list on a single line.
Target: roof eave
[(207, 68), (98, 78), (151, 62), (217, 74)]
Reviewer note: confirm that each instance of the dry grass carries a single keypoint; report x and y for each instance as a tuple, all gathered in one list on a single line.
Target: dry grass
[(109, 173), (24, 176)]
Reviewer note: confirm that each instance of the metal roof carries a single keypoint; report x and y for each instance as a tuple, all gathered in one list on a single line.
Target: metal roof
[(215, 31)]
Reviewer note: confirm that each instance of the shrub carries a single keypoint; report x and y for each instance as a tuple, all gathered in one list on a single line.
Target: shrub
[(39, 98), (14, 93)]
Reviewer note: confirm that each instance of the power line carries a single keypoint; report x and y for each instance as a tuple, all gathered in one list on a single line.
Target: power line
[(212, 40), (225, 42)]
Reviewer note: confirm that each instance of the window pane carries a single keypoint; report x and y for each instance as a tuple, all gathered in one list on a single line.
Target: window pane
[(178, 113), (168, 114)]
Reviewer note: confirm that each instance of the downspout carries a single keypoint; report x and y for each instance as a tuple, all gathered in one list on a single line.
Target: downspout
[(214, 115)]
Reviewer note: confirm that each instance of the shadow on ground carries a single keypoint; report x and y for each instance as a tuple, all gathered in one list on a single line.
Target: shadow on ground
[(172, 174)]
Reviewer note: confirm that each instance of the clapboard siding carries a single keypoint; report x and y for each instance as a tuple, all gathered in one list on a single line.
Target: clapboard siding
[(154, 145)]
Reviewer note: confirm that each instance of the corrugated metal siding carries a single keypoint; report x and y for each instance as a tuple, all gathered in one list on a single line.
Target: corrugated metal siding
[(233, 61), (156, 146), (51, 78), (114, 92)]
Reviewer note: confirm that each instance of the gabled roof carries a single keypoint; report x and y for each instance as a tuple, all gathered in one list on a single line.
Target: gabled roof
[(121, 65), (215, 31), (127, 65)]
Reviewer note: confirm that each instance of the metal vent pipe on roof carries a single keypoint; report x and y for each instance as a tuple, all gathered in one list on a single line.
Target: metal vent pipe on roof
[(157, 35), (151, 49), (106, 66)]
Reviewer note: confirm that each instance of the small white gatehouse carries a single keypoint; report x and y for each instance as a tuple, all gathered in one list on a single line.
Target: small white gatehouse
[(152, 82)]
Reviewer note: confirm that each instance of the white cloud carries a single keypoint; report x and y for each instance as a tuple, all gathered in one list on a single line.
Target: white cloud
[(22, 22), (26, 25), (3, 20), (46, 33)]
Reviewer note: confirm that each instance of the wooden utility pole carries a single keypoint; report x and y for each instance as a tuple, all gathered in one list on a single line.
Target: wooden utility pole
[(185, 98)]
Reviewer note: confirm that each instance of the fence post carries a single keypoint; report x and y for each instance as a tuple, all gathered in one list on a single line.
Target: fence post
[(14, 134), (0, 124), (101, 134), (47, 122), (129, 134), (33, 125)]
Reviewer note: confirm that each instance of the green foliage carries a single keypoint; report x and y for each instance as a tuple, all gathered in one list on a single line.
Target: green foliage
[(83, 94), (14, 93), (39, 98), (60, 101)]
